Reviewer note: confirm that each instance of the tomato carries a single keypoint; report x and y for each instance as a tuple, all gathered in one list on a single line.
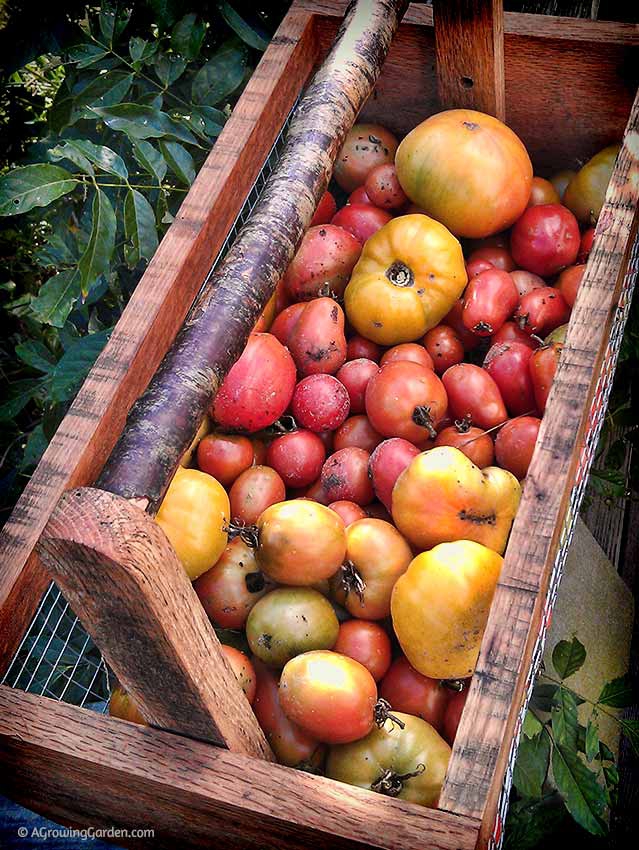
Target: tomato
[(545, 239), (360, 348), (121, 705), (560, 181), (345, 476), (383, 188), (467, 170), (231, 588), (224, 456), (526, 281), (515, 444), (316, 492), (410, 692), (187, 458), (542, 310), (463, 502), (558, 335), (329, 695), (454, 319), (474, 395), (498, 258), (453, 714), (440, 607), (320, 403), (542, 192), (361, 220), (325, 210), (507, 363), (444, 346), (259, 452), (253, 492), (585, 246), (291, 745), (569, 281), (194, 514), (282, 327), (543, 365), (297, 457), (477, 267), (489, 299), (473, 442), (265, 319), (258, 387), (407, 761), (511, 332), (243, 670), (408, 277), (357, 431), (365, 146), (317, 341), (367, 643), (289, 621), (376, 555), (408, 351), (405, 400), (323, 263), (359, 196), (355, 375), (348, 511), (586, 192), (387, 463)]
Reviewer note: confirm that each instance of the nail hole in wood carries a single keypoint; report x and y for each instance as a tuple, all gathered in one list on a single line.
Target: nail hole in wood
[(467, 82)]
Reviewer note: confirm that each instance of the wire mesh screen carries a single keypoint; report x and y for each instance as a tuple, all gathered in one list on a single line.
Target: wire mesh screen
[(56, 657)]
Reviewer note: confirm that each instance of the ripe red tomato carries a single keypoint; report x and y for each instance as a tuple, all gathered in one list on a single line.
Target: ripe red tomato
[(259, 452), (297, 457), (542, 310), (452, 716), (455, 321), (361, 348), (387, 463), (323, 263), (258, 387), (543, 192), (585, 246), (320, 403), (317, 341), (325, 210), (408, 351), (243, 669), (224, 456), (474, 395), (355, 375), (284, 323), (545, 239), (511, 332), (475, 267), (508, 364), (410, 692), (498, 257), (515, 444), (315, 492), (356, 431), (444, 347), (490, 298), (543, 365), (361, 220), (569, 282), (383, 187), (359, 196), (329, 695), (365, 146), (348, 511), (526, 281), (472, 441), (256, 489), (366, 642), (405, 400), (345, 476)]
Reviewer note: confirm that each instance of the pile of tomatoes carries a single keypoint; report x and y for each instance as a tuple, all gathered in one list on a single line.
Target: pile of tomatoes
[(344, 520)]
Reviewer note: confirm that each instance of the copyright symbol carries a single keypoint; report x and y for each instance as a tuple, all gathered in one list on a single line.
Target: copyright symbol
[(22, 832)]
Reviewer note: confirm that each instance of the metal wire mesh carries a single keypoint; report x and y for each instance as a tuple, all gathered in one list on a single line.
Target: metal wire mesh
[(56, 657)]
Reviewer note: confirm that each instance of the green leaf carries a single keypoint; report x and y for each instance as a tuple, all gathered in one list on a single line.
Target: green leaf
[(19, 395), (207, 121), (169, 68), (105, 158), (564, 718), (85, 55), (582, 794), (180, 161), (31, 186), (99, 250), (57, 297), (139, 228), (531, 725), (141, 51), (67, 151), (630, 729), (149, 158), (221, 75), (617, 693), (543, 696), (531, 766), (568, 657), (165, 11), (611, 775), (592, 738), (143, 122), (241, 28), (113, 20), (106, 90), (35, 354), (34, 449), (188, 35), (74, 365)]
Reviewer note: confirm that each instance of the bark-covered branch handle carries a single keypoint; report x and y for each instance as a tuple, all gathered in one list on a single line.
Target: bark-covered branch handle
[(164, 420)]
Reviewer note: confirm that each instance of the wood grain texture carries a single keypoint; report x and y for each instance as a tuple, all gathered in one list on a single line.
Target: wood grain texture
[(81, 768), (152, 317), (479, 758), (469, 50), (118, 571)]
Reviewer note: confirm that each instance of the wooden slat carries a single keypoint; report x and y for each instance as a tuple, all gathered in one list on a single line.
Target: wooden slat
[(469, 46), (118, 571), (481, 749), (152, 317), (83, 769)]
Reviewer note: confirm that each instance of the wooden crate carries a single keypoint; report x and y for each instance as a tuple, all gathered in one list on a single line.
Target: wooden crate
[(569, 88)]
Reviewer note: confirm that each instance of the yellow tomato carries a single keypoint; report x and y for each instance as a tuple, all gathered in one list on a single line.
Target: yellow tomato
[(586, 192), (409, 275), (193, 515), (440, 607)]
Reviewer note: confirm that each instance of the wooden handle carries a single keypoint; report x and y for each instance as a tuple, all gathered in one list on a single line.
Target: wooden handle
[(469, 46), (121, 576)]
